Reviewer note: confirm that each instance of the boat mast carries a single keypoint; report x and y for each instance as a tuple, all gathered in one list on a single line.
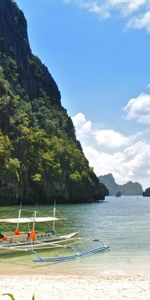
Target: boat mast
[(33, 227), (19, 216), (32, 234), (54, 215)]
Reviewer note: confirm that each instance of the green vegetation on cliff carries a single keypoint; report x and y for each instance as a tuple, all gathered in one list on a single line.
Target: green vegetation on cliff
[(40, 158)]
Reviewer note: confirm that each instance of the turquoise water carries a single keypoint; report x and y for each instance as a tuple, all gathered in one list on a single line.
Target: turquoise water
[(122, 223)]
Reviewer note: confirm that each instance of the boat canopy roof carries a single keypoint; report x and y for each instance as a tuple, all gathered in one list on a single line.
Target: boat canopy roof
[(30, 220)]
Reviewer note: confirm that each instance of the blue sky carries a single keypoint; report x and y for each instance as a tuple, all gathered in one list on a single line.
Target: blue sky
[(99, 54)]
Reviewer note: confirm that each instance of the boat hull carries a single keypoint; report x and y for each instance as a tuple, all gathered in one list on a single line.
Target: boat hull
[(42, 244)]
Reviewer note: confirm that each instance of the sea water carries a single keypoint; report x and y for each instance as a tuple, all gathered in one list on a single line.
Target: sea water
[(123, 223)]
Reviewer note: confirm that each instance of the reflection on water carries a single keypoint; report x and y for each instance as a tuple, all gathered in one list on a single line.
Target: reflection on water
[(123, 223)]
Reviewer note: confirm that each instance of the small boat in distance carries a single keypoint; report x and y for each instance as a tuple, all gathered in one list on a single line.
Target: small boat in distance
[(31, 239)]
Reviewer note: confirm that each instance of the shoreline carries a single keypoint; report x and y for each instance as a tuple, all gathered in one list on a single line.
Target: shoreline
[(73, 268)]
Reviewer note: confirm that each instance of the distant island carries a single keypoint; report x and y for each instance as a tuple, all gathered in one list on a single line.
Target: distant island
[(146, 193), (130, 188)]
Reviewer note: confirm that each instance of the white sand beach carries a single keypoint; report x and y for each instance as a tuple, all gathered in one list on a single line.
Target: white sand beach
[(105, 287)]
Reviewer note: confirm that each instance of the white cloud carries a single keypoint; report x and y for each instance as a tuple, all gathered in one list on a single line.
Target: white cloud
[(139, 109), (112, 139), (107, 138), (133, 163), (83, 127), (108, 151), (141, 21), (93, 6), (127, 6), (135, 12)]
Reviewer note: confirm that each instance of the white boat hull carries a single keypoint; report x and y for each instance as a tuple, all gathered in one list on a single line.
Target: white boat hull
[(47, 243)]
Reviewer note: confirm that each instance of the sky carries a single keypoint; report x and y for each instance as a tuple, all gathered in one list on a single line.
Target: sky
[(98, 52)]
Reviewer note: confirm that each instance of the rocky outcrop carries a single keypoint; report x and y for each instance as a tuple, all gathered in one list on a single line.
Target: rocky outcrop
[(146, 193), (130, 188)]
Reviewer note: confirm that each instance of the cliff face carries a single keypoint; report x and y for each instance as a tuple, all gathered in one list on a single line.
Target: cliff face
[(14, 39), (130, 188), (40, 158)]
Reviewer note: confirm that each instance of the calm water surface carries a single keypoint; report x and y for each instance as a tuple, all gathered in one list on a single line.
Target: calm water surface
[(122, 223)]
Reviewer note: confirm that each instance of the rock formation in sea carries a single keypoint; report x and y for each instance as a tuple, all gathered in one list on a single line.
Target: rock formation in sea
[(146, 193), (129, 188), (40, 157)]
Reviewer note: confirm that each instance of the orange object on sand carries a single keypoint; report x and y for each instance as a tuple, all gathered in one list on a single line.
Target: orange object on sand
[(17, 232), (33, 235)]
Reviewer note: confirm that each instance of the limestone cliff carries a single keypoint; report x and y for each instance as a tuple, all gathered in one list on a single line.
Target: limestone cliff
[(40, 158)]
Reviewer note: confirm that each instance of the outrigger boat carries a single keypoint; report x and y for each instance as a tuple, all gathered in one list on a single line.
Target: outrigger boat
[(81, 248), (31, 239)]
